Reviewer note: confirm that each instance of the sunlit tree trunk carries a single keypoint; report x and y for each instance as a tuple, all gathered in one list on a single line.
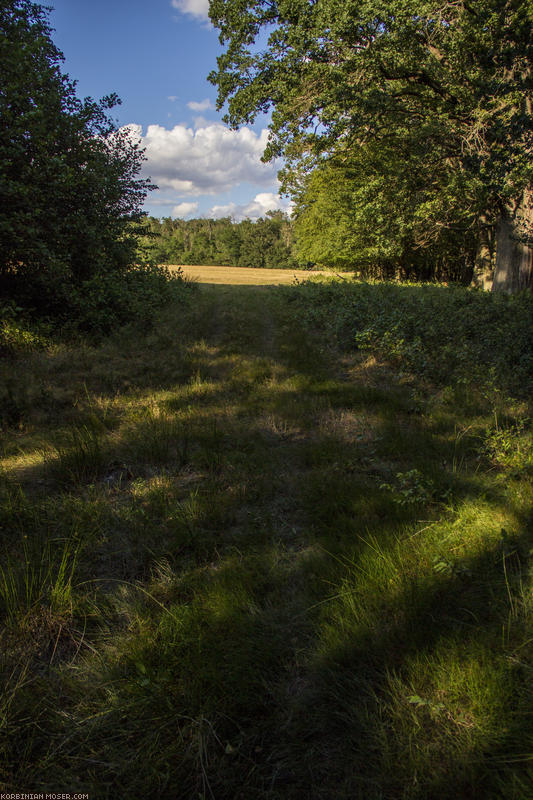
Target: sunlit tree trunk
[(513, 270), (483, 265)]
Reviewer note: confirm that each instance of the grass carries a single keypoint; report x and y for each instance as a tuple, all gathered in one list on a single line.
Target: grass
[(243, 560)]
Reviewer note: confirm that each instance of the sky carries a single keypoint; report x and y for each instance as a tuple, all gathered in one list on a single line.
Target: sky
[(156, 55)]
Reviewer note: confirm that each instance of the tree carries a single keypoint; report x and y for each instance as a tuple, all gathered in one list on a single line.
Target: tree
[(228, 243), (68, 178), (448, 82), (263, 243), (380, 216)]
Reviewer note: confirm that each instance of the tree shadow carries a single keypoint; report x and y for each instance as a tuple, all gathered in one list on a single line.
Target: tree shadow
[(261, 500)]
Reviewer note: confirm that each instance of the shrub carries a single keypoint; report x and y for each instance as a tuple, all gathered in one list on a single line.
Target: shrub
[(450, 335), (108, 300)]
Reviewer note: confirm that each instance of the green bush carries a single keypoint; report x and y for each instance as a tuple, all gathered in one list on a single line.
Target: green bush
[(108, 300), (447, 334), (511, 447), (96, 307), (17, 333)]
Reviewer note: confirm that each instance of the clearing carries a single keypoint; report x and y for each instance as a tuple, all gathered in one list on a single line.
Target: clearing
[(241, 564)]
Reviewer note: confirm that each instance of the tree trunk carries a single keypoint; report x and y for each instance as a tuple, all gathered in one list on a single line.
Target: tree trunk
[(483, 265), (514, 249)]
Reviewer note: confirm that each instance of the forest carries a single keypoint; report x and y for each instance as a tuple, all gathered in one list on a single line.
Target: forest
[(274, 542), (267, 242)]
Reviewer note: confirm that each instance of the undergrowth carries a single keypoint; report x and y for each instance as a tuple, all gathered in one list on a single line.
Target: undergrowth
[(94, 307), (448, 334)]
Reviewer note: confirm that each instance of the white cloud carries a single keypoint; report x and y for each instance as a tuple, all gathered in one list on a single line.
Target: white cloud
[(184, 209), (208, 160), (203, 105), (172, 98), (196, 8), (200, 122), (258, 207)]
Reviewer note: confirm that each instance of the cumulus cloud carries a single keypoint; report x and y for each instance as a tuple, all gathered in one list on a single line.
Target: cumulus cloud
[(258, 207), (206, 160), (200, 122), (196, 8), (172, 98), (184, 209), (203, 105)]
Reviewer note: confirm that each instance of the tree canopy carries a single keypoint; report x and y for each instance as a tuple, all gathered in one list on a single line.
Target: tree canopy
[(68, 177), (263, 243), (444, 86), (380, 214)]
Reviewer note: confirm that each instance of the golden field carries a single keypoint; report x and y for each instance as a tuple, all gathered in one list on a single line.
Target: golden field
[(243, 275)]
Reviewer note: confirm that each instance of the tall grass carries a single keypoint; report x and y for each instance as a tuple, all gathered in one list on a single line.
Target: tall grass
[(40, 575), (265, 557)]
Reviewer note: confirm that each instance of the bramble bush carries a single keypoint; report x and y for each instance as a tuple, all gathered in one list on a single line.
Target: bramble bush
[(450, 335), (16, 333), (96, 307)]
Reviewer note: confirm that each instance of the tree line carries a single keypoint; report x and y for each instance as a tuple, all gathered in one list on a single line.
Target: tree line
[(406, 129), (267, 242)]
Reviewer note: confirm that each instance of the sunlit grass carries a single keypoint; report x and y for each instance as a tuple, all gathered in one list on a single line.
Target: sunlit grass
[(237, 562)]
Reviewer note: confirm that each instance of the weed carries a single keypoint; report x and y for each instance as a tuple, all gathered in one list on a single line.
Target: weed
[(410, 488), (41, 575), (511, 447), (157, 437)]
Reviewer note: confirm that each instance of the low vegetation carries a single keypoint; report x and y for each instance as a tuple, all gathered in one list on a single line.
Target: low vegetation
[(278, 545), (95, 308), (447, 334)]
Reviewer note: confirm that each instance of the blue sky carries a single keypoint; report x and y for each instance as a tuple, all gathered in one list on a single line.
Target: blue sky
[(156, 55)]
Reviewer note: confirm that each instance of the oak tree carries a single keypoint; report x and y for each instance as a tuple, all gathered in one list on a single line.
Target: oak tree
[(447, 81)]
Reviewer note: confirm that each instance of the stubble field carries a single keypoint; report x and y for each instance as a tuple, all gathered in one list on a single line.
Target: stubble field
[(243, 276)]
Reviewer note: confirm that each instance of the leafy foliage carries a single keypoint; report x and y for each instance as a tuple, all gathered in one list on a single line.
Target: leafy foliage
[(442, 91), (68, 177), (264, 243), (107, 300), (445, 334), (511, 447), (377, 215)]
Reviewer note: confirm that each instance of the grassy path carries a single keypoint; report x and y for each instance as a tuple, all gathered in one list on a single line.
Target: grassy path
[(244, 565)]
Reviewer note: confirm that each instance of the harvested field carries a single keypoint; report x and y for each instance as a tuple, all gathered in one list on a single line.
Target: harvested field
[(244, 275)]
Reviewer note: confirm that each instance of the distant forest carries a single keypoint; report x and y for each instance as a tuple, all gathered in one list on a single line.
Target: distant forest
[(268, 242)]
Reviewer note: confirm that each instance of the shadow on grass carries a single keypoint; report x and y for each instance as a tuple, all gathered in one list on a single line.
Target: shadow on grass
[(244, 689), (277, 610)]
